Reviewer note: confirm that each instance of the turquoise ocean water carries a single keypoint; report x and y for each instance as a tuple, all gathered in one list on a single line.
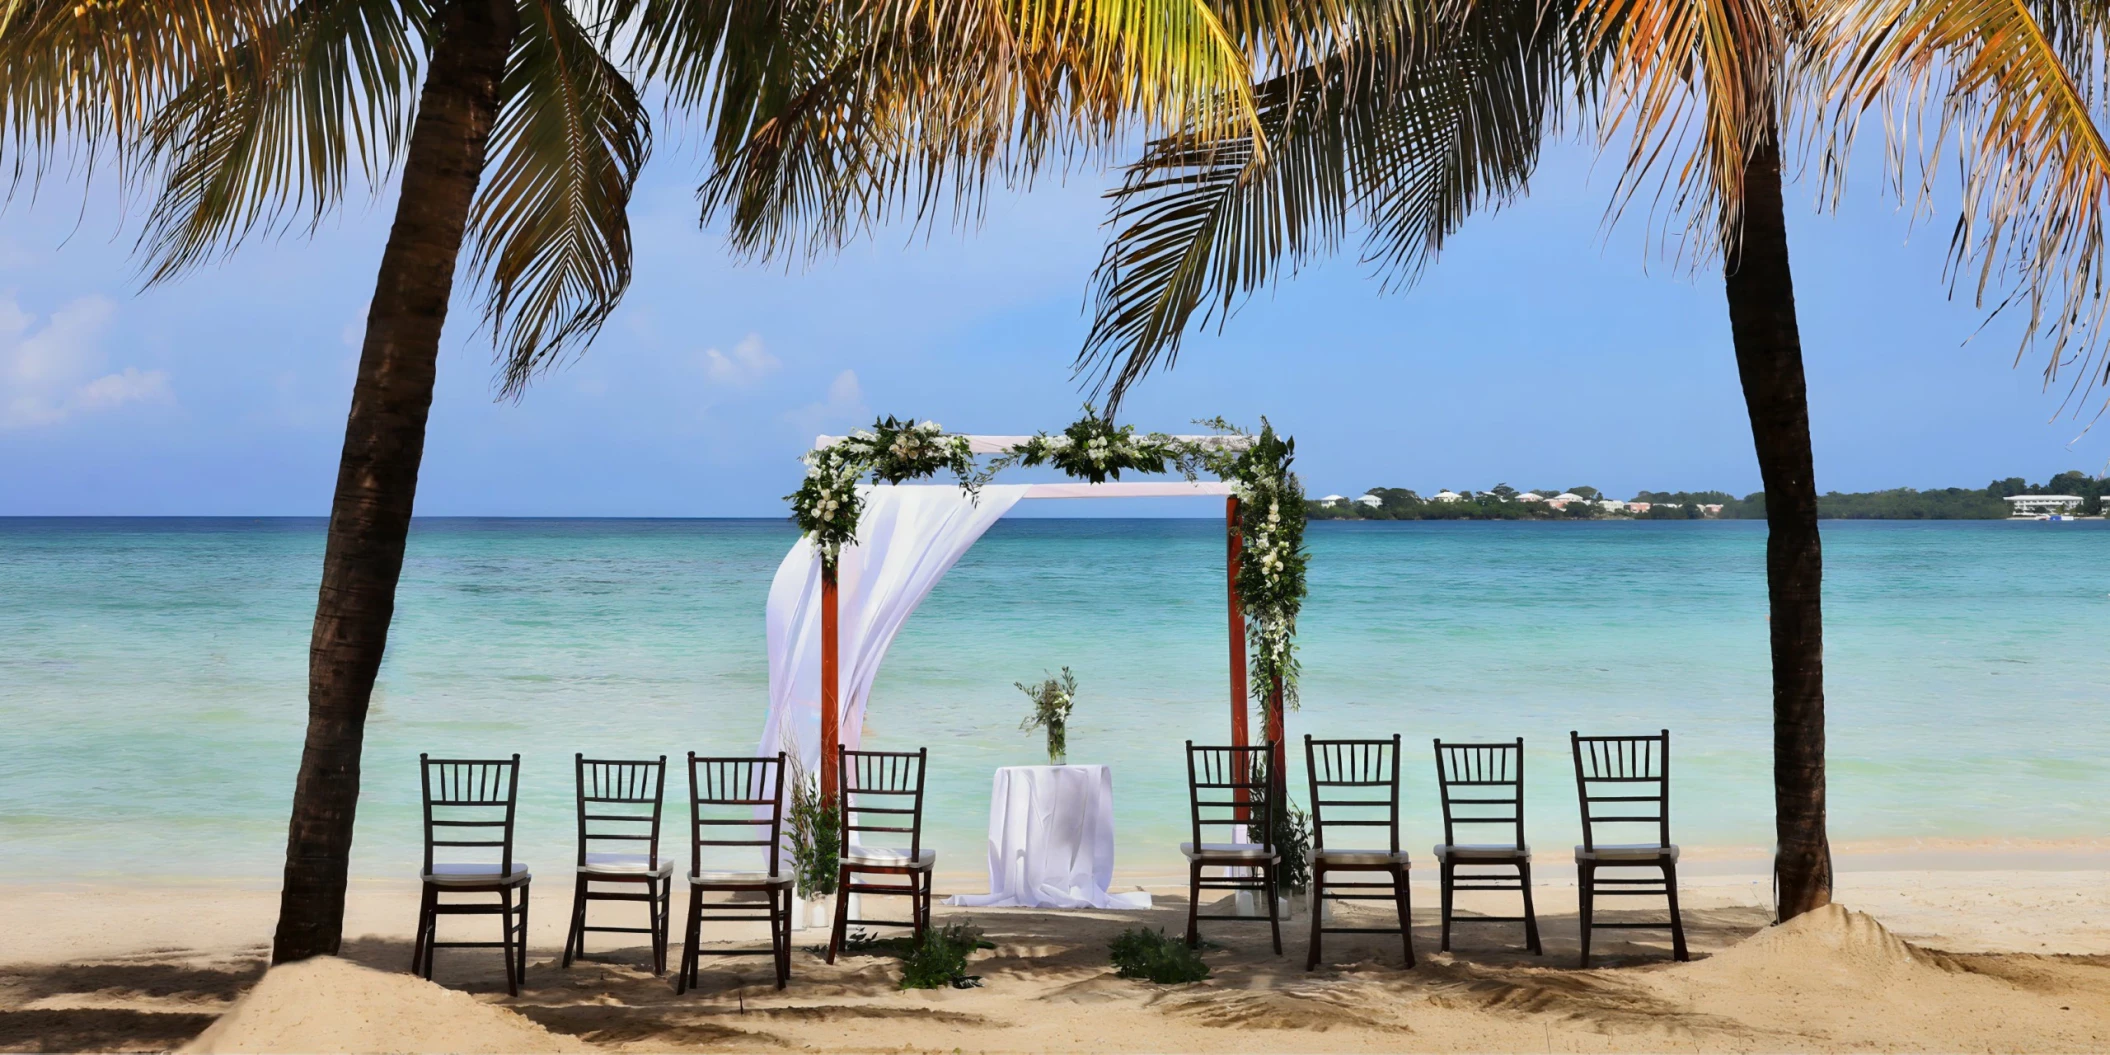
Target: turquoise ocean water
[(152, 672)]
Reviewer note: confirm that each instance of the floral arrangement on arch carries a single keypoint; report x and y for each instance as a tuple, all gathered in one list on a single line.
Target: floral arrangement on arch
[(1271, 570), (826, 505)]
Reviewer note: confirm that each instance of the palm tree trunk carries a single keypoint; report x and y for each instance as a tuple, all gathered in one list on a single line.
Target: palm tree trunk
[(1769, 360), (384, 440)]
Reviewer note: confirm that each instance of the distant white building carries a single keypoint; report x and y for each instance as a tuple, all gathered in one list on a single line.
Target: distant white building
[(1561, 500), (1610, 505), (1638, 508), (1713, 509), (1332, 500), (1446, 495), (2029, 506), (1371, 501), (1531, 496)]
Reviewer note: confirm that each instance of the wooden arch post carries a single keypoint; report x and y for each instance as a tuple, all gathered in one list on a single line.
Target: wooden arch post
[(1234, 548), (831, 706)]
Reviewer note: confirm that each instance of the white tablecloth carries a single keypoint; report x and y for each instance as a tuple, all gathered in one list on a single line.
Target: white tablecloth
[(1051, 841)]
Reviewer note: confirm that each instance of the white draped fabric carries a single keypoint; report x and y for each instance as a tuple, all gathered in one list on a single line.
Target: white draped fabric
[(1051, 841), (908, 537)]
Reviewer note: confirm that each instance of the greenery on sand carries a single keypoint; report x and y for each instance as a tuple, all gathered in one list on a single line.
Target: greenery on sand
[(1052, 701), (1153, 957), (937, 961)]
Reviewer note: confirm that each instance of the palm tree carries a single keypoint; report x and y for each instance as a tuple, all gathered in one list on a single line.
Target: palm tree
[(1407, 133), (523, 140)]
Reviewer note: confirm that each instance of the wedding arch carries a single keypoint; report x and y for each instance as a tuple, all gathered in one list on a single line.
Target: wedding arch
[(874, 544)]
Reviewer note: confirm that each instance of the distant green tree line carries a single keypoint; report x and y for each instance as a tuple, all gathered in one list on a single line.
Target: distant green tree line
[(1503, 502)]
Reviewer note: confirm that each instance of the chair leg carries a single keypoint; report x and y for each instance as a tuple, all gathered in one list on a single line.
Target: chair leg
[(1318, 899), (842, 912), (1677, 921), (781, 901), (520, 944), (1449, 876), (1404, 895), (426, 898), (1586, 876), (1531, 916), (505, 938), (1272, 880), (692, 942), (575, 936), (1194, 903), (432, 931), (652, 918), (666, 918)]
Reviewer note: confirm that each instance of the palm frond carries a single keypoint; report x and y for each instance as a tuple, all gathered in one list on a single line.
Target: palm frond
[(1405, 143), (1694, 87), (551, 228), (833, 118), (77, 76), (273, 129), (2013, 86)]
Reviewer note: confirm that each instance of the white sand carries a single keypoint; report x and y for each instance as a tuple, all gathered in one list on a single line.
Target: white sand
[(328, 1005), (148, 969)]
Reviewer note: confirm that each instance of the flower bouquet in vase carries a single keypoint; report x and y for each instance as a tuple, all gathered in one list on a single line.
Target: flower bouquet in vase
[(815, 845), (1052, 700)]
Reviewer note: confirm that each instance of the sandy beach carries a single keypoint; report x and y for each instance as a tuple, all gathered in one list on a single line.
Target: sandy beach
[(1945, 959)]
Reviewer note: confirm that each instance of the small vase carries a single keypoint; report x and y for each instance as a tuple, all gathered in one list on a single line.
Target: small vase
[(813, 913), (1058, 744)]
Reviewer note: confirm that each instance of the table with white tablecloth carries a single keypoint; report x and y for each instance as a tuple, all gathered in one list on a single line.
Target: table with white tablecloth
[(1051, 841)]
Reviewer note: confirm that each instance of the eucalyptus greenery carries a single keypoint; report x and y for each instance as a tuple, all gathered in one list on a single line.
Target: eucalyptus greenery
[(1052, 702), (1095, 450), (893, 451), (1258, 467)]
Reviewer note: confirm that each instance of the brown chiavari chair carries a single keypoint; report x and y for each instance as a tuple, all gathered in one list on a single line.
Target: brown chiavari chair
[(469, 806), (1355, 784), (739, 804), (1483, 787), (1247, 807), (619, 806), (1625, 781), (879, 788)]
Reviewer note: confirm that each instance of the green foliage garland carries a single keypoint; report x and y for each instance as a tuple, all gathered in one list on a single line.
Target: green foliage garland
[(826, 505), (1095, 450), (1258, 467)]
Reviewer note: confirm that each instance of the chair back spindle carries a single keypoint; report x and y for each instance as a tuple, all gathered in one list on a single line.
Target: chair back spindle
[(1354, 785), (1227, 788), (1623, 781), (882, 794), (736, 805), (469, 806), (1482, 786), (620, 802)]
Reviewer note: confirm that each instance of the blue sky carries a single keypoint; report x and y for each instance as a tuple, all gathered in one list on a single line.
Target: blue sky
[(1539, 351)]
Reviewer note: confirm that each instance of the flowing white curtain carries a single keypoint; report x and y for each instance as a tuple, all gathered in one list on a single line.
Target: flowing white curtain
[(907, 538)]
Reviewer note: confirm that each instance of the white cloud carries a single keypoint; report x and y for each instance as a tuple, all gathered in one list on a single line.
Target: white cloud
[(50, 373), (748, 363), (844, 405)]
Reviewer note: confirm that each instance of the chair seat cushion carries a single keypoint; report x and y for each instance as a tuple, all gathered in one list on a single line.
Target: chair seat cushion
[(739, 879), (479, 874), (1649, 852), (1482, 852), (626, 864), (890, 857), (1228, 852), (1334, 856)]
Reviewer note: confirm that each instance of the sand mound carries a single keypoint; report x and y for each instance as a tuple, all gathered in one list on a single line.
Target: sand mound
[(1832, 946), (328, 1005)]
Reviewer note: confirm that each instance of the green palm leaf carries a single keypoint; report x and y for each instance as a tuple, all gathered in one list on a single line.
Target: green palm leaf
[(551, 229), (1404, 142)]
